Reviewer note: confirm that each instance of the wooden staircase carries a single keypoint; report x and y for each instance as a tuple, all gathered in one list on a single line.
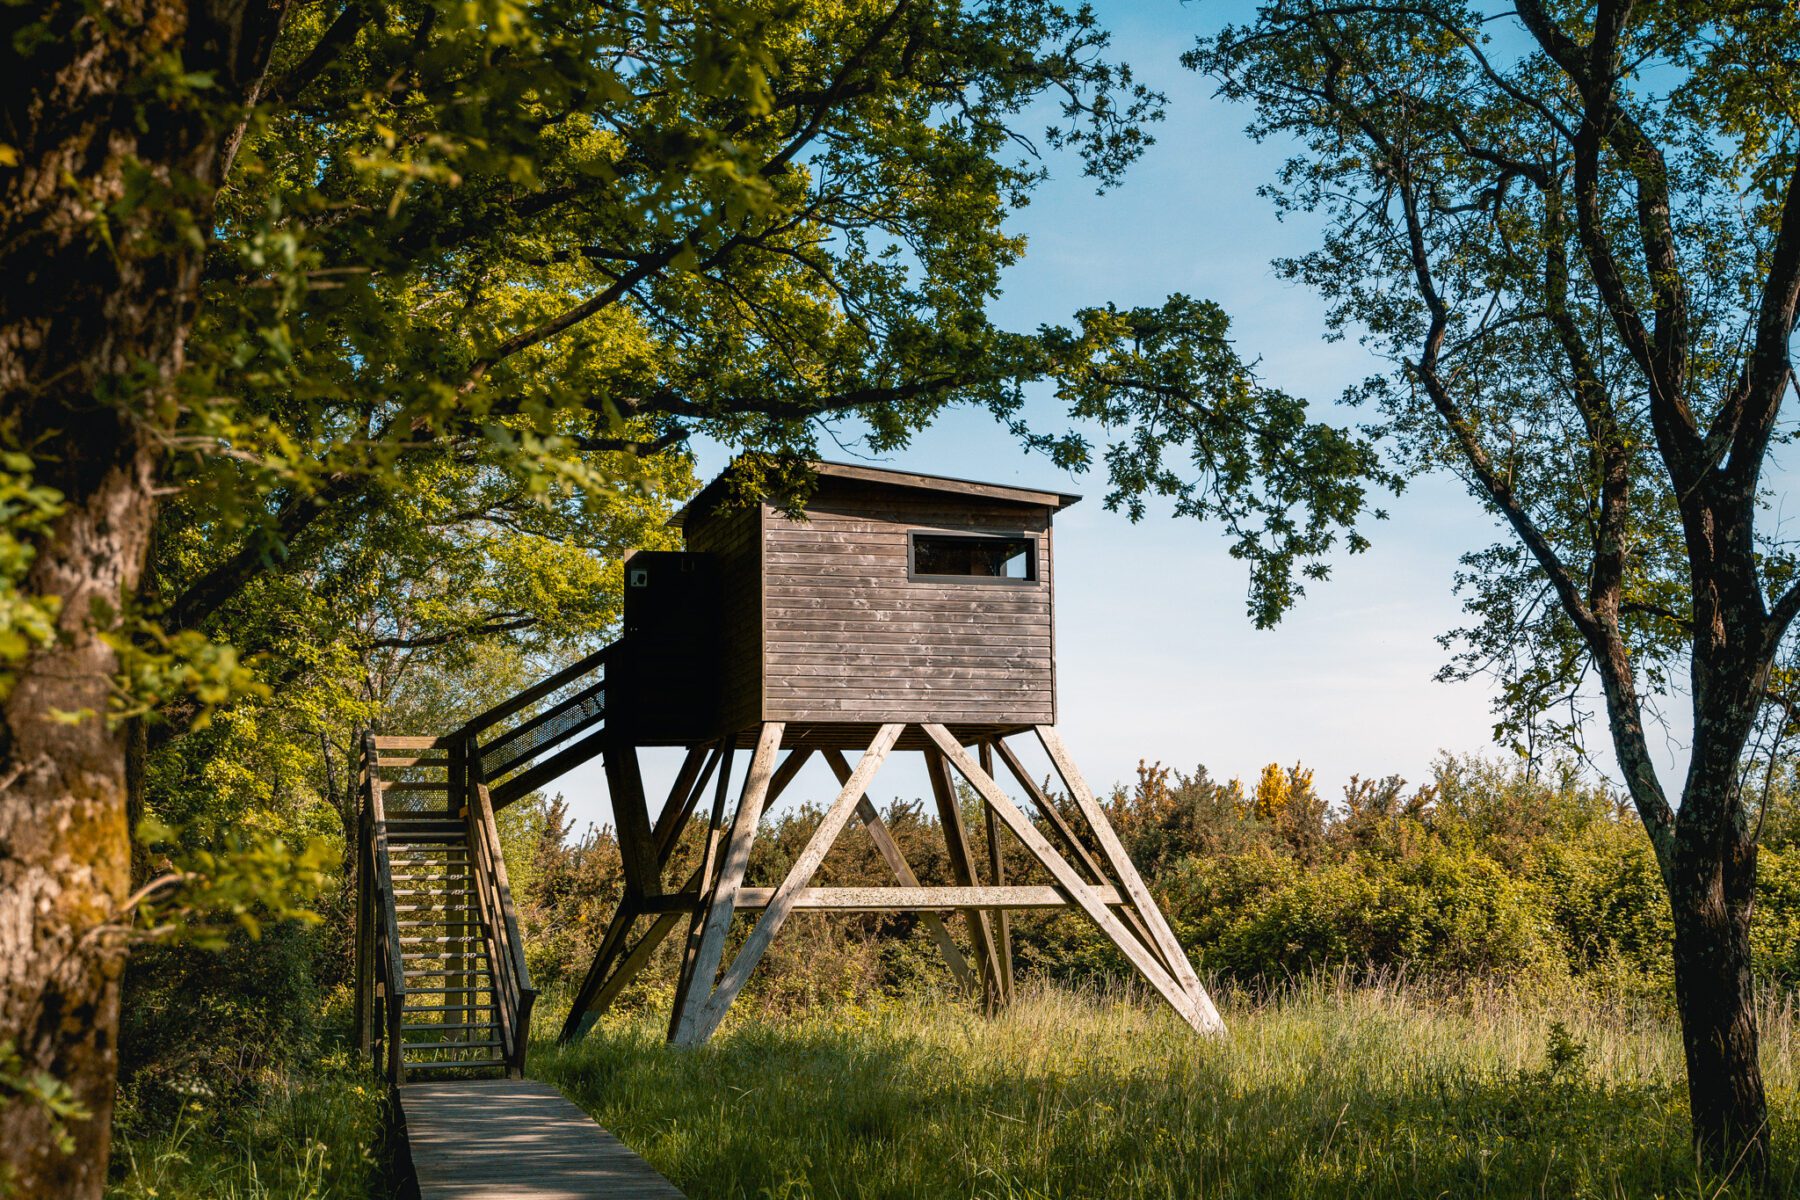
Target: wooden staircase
[(442, 988), (452, 1020)]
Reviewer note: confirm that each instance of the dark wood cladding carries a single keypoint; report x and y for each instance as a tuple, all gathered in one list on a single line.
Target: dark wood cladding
[(847, 636), (734, 537)]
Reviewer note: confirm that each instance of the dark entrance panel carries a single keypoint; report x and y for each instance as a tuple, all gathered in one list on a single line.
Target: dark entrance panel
[(667, 687)]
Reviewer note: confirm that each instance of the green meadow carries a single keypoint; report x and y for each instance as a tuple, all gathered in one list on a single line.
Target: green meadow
[(1324, 1089)]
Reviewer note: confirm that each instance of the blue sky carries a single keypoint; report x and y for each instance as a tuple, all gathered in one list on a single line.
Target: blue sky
[(1156, 657)]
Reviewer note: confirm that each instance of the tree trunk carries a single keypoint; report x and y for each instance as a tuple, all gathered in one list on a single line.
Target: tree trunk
[(114, 170), (1710, 897), (65, 850)]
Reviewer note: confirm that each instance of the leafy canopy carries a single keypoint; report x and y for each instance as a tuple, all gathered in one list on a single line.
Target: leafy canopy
[(1562, 227)]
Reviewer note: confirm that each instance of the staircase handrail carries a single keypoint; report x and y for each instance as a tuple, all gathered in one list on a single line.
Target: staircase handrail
[(520, 757), (485, 720), (390, 931), (503, 920)]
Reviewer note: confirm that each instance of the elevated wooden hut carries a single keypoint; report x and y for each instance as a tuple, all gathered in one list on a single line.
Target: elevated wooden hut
[(898, 612), (896, 597)]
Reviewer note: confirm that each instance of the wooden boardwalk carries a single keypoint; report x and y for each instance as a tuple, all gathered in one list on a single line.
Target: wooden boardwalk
[(517, 1139)]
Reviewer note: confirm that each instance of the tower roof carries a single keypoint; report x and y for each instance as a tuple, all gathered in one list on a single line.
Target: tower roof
[(887, 477)]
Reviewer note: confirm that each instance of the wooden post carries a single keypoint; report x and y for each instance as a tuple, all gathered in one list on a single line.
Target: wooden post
[(365, 919), (1072, 845), (683, 796), (1204, 1019), (997, 869), (612, 942), (709, 873), (805, 866), (690, 1018), (962, 867), (614, 963), (631, 814)]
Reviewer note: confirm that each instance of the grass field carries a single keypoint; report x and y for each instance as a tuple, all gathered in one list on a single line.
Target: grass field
[(1324, 1091)]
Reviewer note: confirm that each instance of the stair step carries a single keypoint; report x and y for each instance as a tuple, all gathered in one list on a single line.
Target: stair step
[(464, 1007), (449, 940), (446, 991), (445, 924), (423, 1047), (434, 1027), (442, 1066), (445, 972)]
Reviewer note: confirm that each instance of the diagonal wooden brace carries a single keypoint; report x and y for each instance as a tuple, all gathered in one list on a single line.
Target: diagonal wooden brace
[(1204, 1019), (1126, 873), (836, 817)]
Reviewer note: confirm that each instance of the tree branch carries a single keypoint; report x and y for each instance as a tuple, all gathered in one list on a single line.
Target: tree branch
[(336, 39), (510, 625)]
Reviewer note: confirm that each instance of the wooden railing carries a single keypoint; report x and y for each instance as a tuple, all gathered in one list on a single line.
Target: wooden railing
[(513, 994), (381, 975), (488, 747)]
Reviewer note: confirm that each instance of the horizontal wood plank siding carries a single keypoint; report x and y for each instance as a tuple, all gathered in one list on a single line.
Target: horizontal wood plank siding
[(847, 636)]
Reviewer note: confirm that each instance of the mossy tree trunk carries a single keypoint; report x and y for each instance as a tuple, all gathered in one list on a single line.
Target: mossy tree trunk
[(102, 277)]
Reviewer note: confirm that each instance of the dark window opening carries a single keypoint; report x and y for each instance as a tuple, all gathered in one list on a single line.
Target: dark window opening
[(1012, 559)]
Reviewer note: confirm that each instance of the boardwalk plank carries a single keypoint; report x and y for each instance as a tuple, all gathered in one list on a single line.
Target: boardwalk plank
[(517, 1139)]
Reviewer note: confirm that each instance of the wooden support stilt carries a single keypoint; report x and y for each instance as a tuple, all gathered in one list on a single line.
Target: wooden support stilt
[(691, 1015), (631, 965), (615, 965), (1072, 845), (365, 943), (1132, 883), (631, 819), (962, 868), (805, 866), (612, 942), (690, 781), (708, 871), (997, 872), (1203, 1018)]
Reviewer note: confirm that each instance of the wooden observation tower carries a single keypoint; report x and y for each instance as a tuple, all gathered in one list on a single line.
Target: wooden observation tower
[(905, 613)]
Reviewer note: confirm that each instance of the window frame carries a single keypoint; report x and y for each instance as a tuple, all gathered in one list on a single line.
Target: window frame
[(913, 575)]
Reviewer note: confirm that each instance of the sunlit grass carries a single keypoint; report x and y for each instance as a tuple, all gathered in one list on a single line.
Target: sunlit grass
[(314, 1137), (1326, 1090)]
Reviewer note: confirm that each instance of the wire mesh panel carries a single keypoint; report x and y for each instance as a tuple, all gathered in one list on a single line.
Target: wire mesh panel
[(402, 801), (555, 724)]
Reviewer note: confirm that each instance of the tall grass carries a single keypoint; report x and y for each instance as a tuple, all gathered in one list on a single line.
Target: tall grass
[(1324, 1089), (312, 1135)]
